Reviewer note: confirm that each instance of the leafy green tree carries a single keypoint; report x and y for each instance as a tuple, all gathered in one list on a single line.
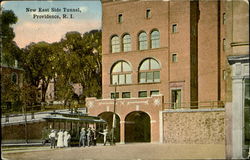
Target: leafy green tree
[(67, 66), (28, 95), (64, 89), (79, 62), (81, 59), (10, 49), (38, 59), (9, 53), (90, 75)]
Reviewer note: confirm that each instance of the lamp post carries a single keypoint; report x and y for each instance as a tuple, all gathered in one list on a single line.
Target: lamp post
[(114, 118)]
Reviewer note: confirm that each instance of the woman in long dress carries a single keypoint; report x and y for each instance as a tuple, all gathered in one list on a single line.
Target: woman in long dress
[(66, 139), (60, 139)]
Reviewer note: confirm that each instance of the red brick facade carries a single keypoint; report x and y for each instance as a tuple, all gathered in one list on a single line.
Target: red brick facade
[(174, 43)]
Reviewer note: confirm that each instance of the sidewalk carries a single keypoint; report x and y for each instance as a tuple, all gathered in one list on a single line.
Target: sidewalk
[(123, 151)]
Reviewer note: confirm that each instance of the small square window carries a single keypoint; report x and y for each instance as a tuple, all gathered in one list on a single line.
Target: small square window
[(120, 18), (174, 28), (113, 95), (125, 94), (224, 18), (142, 94), (148, 13), (156, 92), (174, 58)]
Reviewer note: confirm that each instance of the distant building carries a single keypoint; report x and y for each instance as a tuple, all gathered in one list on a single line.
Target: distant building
[(10, 74), (50, 96)]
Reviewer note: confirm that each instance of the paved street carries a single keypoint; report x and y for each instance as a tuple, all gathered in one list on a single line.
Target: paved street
[(135, 151)]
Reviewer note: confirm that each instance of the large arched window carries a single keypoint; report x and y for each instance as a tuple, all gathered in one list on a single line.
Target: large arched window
[(143, 44), (155, 39), (126, 42), (115, 44), (121, 73), (149, 71)]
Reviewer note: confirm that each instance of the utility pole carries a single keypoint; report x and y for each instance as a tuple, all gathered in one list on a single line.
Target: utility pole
[(25, 123), (114, 120)]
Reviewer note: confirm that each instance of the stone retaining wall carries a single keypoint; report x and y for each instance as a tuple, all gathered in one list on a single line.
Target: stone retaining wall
[(194, 127)]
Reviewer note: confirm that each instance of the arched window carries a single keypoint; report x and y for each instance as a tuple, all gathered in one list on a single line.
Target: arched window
[(126, 42), (149, 71), (121, 73), (155, 39), (143, 44), (14, 78), (115, 44)]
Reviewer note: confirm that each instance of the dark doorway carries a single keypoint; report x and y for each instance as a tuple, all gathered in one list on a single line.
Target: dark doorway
[(108, 117), (176, 98), (137, 127)]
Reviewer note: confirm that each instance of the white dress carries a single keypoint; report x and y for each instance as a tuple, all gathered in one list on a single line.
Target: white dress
[(60, 139), (66, 138)]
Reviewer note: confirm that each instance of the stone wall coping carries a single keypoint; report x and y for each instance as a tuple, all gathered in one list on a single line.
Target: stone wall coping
[(193, 110)]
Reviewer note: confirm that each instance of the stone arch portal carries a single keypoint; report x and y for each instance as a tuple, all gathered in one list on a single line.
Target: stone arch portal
[(108, 117), (137, 127)]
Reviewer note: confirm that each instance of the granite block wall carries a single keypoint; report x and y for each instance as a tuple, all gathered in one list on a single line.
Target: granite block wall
[(194, 127)]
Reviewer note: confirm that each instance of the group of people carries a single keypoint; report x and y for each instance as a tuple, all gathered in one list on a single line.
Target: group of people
[(60, 139), (87, 137)]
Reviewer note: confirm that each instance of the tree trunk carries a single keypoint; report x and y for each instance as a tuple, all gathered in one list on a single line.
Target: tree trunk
[(44, 89)]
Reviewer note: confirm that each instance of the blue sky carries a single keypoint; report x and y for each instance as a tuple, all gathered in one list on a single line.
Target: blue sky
[(28, 29)]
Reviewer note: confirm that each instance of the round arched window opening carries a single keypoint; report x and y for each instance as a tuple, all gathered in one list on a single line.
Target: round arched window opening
[(121, 73), (115, 44), (143, 43), (149, 71), (126, 42), (155, 39)]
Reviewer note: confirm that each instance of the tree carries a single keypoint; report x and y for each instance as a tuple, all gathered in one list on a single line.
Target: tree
[(37, 61), (28, 95), (67, 65), (81, 59), (90, 77), (10, 49)]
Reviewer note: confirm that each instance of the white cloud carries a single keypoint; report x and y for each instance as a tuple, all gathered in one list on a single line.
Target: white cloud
[(28, 32)]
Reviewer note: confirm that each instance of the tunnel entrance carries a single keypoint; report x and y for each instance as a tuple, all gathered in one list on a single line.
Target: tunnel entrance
[(137, 127), (108, 117)]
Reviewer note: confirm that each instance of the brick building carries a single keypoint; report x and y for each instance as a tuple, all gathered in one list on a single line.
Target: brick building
[(11, 79), (161, 57)]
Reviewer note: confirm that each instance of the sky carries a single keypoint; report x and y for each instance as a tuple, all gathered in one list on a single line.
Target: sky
[(29, 28)]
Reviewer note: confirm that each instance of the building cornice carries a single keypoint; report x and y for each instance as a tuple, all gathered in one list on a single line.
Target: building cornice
[(238, 59), (234, 44)]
